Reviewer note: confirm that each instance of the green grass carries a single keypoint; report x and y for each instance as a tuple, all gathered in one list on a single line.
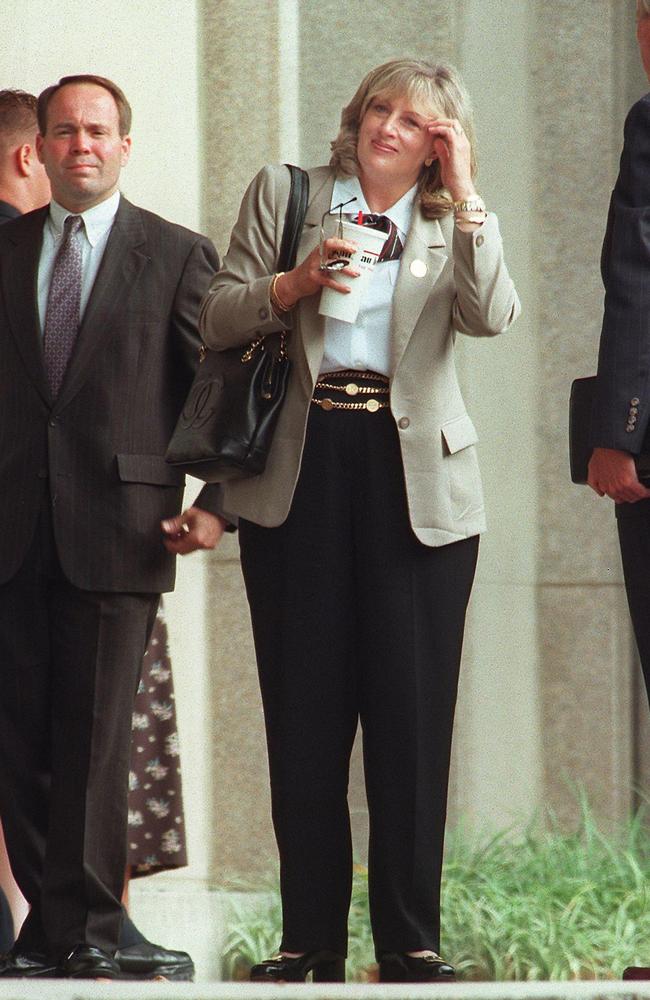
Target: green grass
[(542, 905)]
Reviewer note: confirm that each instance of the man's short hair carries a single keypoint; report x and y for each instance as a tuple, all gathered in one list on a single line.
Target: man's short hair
[(643, 8), (17, 116), (123, 106)]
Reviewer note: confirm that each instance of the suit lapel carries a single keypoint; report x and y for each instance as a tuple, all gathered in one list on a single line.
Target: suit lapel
[(20, 295), (122, 264), (313, 325), (425, 247)]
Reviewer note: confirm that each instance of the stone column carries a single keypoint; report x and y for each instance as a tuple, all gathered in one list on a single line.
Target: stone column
[(497, 746), (497, 740)]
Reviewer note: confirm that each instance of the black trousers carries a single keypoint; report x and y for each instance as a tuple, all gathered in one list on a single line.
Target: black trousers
[(354, 619), (69, 666), (633, 521)]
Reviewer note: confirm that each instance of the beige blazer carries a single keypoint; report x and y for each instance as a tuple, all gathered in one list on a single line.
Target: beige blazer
[(466, 288)]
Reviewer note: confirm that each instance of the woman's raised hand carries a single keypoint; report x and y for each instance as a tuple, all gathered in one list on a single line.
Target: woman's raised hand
[(452, 147)]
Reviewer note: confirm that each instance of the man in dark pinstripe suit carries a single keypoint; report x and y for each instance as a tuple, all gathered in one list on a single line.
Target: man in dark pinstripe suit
[(621, 414), (85, 491)]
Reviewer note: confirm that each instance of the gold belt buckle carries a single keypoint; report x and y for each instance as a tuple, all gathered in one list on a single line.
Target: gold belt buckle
[(352, 389), (372, 405)]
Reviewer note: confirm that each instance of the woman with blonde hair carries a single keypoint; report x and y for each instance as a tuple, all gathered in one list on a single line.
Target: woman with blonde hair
[(359, 540)]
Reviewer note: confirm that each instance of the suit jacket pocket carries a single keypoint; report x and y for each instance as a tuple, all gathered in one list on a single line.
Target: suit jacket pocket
[(459, 433), (150, 469), (465, 491)]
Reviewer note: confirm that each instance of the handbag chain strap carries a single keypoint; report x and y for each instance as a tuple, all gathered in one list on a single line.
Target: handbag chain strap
[(293, 222)]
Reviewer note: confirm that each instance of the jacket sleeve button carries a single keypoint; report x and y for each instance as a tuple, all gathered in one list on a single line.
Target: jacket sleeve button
[(403, 423)]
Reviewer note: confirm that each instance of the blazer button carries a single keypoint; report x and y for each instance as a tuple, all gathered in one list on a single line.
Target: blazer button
[(635, 401), (264, 313), (480, 240), (403, 423)]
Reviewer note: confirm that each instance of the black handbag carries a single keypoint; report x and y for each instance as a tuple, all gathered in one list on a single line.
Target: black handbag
[(226, 425), (580, 448)]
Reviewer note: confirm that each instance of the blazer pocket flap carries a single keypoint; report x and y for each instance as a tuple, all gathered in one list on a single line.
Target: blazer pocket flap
[(459, 433), (151, 469)]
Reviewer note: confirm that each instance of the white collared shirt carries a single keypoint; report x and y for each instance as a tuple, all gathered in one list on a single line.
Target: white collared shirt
[(93, 237), (365, 344)]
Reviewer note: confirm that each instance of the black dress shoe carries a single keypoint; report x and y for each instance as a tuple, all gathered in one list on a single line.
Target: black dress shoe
[(150, 961), (402, 968), (325, 967), (637, 972), (87, 962), (26, 965)]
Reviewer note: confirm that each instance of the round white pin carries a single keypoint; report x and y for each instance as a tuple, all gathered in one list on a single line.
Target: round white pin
[(418, 268)]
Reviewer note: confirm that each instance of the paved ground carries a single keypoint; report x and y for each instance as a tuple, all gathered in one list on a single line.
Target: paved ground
[(25, 990)]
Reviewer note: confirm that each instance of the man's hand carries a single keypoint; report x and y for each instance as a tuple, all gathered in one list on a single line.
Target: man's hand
[(191, 530), (612, 473)]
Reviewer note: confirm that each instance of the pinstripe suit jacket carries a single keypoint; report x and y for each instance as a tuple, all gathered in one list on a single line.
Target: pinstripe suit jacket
[(621, 415), (101, 444)]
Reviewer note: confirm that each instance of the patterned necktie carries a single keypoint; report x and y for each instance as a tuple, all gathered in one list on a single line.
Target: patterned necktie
[(63, 305), (392, 248)]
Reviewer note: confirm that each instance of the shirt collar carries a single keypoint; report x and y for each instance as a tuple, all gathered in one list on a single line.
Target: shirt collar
[(400, 213), (97, 220), (8, 211)]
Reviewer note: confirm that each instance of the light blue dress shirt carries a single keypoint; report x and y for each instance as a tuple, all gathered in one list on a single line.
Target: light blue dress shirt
[(93, 237), (365, 344)]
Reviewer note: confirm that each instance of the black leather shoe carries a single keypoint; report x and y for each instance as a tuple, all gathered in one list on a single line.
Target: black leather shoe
[(637, 972), (26, 965), (151, 961), (398, 968), (325, 967), (87, 962)]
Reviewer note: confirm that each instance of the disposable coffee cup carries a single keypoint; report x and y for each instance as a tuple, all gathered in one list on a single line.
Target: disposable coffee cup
[(345, 305)]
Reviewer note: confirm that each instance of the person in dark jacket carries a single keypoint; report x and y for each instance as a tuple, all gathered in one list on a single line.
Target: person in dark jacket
[(84, 284), (621, 414)]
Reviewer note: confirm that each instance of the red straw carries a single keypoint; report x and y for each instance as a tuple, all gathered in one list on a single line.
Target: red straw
[(360, 218)]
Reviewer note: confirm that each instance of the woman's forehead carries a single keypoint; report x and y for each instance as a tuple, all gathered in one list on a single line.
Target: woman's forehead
[(421, 103)]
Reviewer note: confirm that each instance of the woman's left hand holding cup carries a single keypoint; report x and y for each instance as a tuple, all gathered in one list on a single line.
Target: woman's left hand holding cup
[(309, 277)]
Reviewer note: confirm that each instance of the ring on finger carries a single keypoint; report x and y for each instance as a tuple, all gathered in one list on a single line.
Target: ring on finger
[(334, 265)]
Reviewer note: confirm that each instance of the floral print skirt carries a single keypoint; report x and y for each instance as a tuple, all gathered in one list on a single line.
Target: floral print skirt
[(156, 834)]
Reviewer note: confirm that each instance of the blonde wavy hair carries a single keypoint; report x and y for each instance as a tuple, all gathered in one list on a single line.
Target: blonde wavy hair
[(433, 90)]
